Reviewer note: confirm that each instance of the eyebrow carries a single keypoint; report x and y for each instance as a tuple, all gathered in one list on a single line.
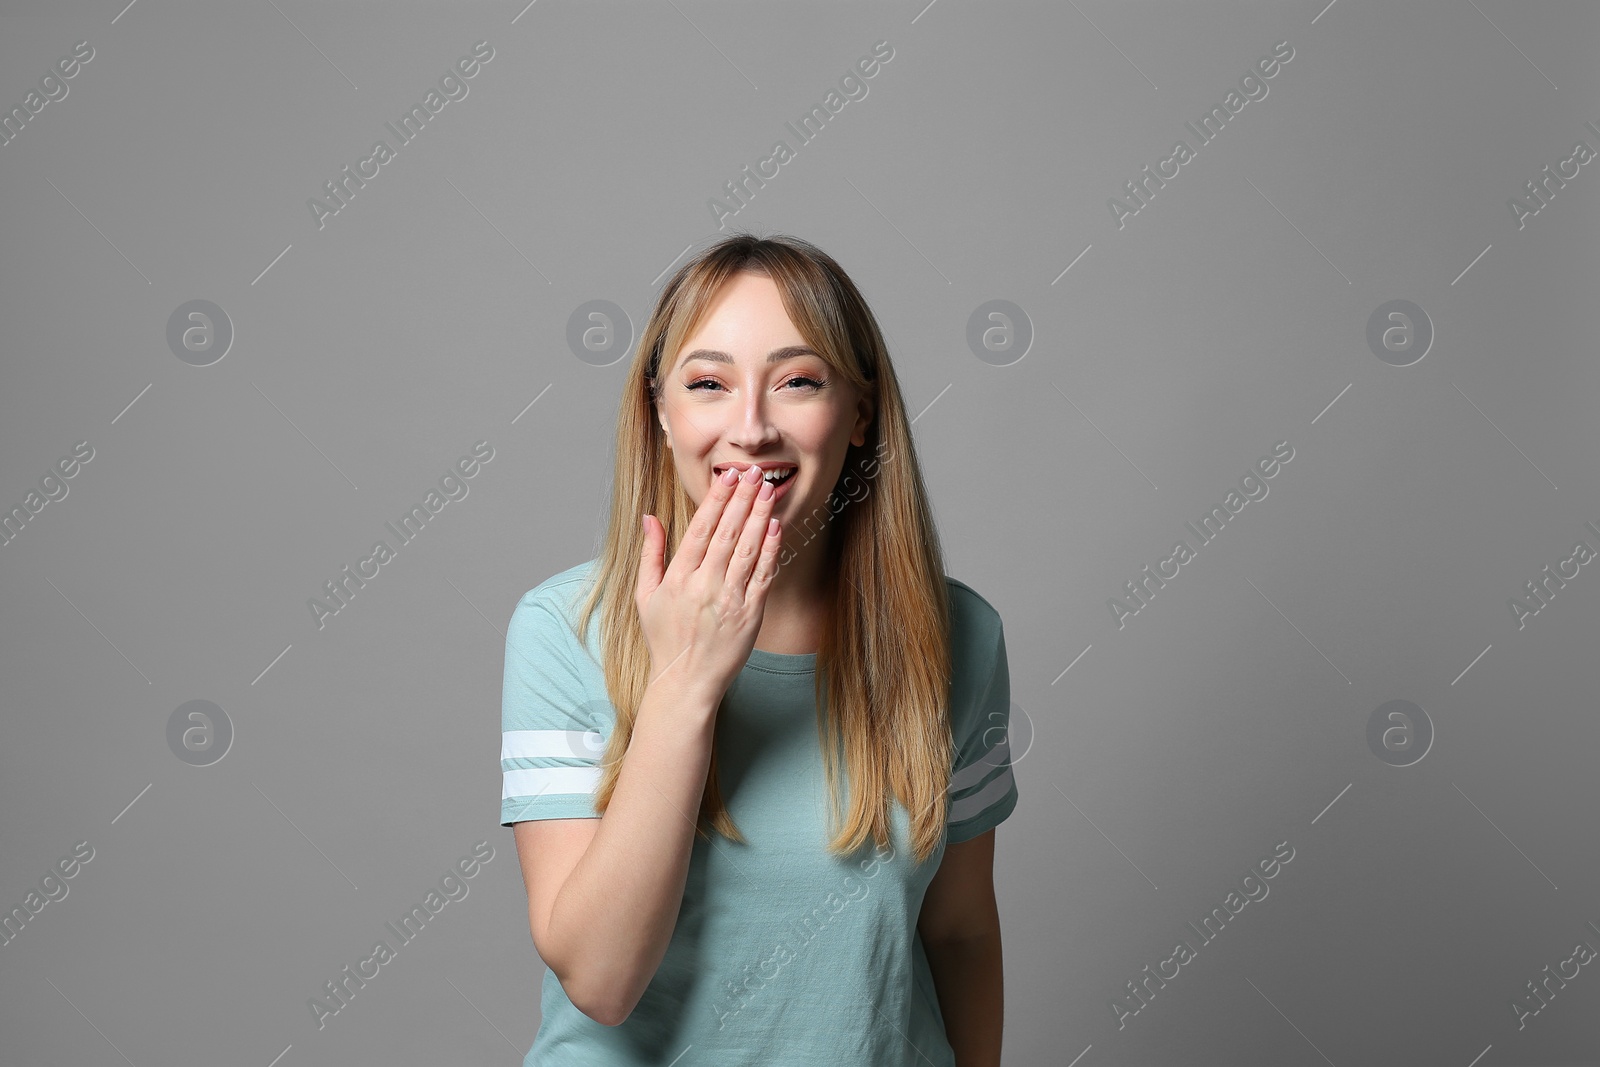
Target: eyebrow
[(777, 355)]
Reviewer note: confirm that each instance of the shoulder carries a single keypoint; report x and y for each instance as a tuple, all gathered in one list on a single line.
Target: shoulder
[(968, 599), (977, 658), (976, 628), (546, 617), (563, 592), (552, 675), (982, 789)]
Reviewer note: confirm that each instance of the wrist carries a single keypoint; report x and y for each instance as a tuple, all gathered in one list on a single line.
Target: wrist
[(685, 695)]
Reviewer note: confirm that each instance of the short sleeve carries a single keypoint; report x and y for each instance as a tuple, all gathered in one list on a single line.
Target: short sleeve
[(983, 791), (553, 723)]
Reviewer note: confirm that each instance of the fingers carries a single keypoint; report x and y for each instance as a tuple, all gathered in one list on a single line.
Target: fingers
[(650, 566), (754, 541), (766, 567), (692, 550), (734, 515)]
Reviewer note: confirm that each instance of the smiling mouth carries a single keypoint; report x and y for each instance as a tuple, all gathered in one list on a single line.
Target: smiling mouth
[(777, 477)]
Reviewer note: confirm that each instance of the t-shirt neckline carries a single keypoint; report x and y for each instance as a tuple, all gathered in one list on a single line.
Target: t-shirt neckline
[(783, 662)]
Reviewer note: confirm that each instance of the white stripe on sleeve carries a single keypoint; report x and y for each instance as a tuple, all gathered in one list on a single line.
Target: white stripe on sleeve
[(549, 781), (552, 744), (965, 808), (984, 765)]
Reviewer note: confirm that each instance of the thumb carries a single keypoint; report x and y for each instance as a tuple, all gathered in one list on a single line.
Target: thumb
[(651, 567)]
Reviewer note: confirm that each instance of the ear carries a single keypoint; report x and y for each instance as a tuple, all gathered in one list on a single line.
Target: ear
[(864, 412), (661, 418)]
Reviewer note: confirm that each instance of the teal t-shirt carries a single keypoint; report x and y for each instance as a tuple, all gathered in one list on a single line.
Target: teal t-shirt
[(783, 954)]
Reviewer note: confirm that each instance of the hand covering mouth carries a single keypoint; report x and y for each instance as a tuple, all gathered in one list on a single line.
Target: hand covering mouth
[(776, 472)]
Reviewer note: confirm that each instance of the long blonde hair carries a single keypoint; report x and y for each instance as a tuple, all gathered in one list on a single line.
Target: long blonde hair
[(883, 664)]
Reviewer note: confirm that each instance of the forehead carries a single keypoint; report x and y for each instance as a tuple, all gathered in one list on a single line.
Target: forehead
[(746, 318)]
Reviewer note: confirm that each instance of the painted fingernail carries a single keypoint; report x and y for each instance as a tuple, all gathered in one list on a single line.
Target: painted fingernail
[(765, 492), (753, 474), (730, 476)]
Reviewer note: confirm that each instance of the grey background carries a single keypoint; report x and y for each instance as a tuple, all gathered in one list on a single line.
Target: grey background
[(1228, 315)]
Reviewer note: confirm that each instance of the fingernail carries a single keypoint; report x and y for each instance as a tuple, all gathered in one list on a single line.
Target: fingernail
[(753, 475), (730, 476)]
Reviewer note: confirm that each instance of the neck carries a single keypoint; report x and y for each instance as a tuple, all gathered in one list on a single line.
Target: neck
[(792, 619)]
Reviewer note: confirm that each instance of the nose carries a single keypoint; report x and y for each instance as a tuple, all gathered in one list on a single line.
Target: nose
[(753, 426)]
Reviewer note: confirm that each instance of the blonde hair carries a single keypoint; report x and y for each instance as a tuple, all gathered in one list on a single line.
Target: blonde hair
[(883, 664)]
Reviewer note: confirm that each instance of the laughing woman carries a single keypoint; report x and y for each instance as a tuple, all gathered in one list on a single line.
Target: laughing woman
[(755, 753)]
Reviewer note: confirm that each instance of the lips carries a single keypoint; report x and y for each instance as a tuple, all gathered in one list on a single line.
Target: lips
[(786, 471), (775, 465), (780, 485)]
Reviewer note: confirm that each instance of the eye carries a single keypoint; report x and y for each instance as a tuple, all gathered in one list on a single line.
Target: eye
[(807, 383)]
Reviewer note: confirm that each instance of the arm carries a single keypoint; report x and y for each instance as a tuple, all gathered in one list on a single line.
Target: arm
[(960, 930), (604, 894)]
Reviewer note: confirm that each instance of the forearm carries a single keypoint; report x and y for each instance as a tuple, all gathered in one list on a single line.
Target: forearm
[(614, 915), (969, 977)]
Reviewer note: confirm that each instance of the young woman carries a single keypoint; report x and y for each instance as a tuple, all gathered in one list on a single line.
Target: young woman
[(755, 752)]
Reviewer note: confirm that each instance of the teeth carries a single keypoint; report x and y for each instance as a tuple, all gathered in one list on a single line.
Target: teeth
[(775, 477)]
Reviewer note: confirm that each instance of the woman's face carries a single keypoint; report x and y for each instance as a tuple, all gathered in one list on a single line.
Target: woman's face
[(746, 389)]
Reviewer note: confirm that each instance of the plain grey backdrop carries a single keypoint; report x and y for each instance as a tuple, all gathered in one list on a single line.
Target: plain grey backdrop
[(1375, 272)]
